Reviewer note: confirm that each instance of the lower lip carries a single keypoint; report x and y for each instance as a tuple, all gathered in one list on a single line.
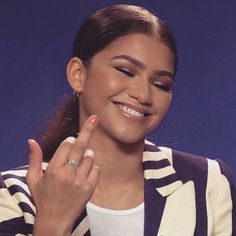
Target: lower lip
[(129, 116)]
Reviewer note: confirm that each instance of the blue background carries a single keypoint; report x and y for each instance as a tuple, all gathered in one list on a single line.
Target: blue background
[(35, 45)]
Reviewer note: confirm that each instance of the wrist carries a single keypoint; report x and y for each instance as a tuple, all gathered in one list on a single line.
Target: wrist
[(48, 227)]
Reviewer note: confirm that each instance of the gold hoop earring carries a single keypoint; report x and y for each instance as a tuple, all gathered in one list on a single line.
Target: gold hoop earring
[(75, 96)]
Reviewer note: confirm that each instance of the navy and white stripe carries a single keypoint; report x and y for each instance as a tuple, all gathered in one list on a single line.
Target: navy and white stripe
[(159, 170), (17, 211), (184, 195)]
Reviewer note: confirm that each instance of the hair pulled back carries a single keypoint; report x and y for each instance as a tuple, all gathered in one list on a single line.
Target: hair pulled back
[(96, 33), (110, 23)]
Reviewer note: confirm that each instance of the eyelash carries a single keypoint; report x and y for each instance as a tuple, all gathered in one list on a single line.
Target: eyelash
[(125, 71), (161, 86)]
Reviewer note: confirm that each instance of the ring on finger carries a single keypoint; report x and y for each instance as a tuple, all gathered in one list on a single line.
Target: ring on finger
[(73, 163)]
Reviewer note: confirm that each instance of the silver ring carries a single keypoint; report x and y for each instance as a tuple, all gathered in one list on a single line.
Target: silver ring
[(73, 163)]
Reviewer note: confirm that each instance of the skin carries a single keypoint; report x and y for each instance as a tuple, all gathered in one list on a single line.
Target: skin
[(62, 192), (135, 70)]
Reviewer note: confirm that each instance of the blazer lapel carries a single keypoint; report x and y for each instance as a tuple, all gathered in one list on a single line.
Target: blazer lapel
[(81, 226), (169, 204), (179, 216), (154, 205)]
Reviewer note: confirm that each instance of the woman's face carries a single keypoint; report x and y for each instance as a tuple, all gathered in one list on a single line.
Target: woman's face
[(129, 86)]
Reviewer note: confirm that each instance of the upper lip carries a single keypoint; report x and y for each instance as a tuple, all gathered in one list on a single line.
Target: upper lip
[(134, 107)]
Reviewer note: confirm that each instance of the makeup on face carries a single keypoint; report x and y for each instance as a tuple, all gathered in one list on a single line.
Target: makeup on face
[(129, 87)]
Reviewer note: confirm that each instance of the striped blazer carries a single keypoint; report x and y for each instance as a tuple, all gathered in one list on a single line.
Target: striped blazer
[(184, 195)]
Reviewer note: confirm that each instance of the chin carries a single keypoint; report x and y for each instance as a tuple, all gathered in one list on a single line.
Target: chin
[(128, 138)]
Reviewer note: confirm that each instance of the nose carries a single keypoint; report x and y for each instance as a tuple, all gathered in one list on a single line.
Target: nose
[(141, 91)]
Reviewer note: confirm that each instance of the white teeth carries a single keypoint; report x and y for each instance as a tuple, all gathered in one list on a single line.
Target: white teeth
[(130, 111)]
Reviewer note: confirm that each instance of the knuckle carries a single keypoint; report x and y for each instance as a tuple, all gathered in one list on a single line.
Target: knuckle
[(81, 147), (83, 186), (79, 183), (88, 160), (66, 180), (95, 171), (51, 173), (87, 188)]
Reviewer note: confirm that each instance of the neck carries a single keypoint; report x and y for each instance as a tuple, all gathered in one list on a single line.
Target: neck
[(117, 161), (121, 172)]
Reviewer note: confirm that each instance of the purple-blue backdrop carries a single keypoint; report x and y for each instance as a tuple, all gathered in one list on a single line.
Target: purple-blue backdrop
[(35, 45)]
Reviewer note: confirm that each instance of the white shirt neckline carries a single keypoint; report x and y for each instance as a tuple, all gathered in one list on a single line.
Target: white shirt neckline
[(115, 212)]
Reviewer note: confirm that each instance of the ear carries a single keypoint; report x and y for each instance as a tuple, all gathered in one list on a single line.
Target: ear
[(76, 74)]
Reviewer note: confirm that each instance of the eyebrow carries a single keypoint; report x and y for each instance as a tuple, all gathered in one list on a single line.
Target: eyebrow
[(140, 65), (164, 73), (130, 59)]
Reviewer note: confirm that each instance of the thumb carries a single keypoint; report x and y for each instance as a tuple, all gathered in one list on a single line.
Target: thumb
[(34, 172)]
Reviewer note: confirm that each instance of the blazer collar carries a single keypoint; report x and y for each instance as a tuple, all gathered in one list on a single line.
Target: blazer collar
[(169, 203), (159, 171), (162, 190)]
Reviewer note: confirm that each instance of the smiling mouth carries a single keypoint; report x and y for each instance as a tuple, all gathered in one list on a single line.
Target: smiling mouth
[(130, 112)]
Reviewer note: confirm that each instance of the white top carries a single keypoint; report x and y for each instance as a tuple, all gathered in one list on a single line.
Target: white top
[(107, 222)]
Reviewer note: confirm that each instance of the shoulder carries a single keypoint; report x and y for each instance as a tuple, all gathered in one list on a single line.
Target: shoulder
[(206, 173), (14, 181), (14, 189), (214, 187), (214, 172), (17, 210), (212, 176), (188, 166), (192, 165)]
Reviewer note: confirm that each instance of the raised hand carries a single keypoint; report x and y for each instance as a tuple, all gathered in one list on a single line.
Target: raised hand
[(61, 193)]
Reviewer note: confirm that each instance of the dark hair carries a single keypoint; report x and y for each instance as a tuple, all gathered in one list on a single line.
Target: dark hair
[(95, 34), (110, 23)]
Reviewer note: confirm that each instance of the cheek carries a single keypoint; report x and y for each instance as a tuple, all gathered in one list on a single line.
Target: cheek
[(162, 103), (103, 83)]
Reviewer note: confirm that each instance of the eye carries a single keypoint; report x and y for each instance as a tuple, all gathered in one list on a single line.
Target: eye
[(125, 71), (164, 87)]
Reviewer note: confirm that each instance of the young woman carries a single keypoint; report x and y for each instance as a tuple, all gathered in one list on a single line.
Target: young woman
[(96, 174)]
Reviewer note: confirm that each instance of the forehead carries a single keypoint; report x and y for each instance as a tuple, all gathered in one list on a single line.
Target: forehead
[(144, 48)]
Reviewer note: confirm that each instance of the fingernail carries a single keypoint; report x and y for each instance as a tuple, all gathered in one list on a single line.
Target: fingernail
[(96, 167), (69, 139), (93, 120), (30, 145), (89, 153)]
